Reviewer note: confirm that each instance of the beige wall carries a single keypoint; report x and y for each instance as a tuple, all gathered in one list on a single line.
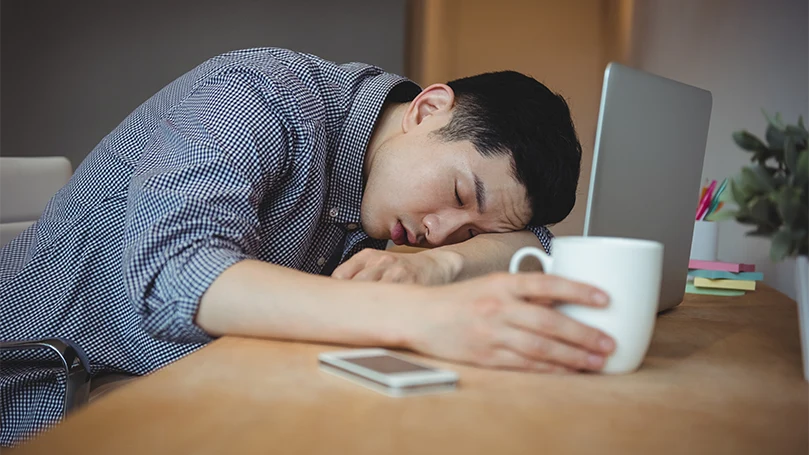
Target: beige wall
[(751, 55), (562, 44)]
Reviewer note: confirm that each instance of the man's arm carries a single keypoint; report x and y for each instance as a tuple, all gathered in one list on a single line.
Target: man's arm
[(496, 321), (482, 254), (485, 253), (255, 298)]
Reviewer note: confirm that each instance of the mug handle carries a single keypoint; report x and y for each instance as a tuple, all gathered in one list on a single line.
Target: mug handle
[(544, 258)]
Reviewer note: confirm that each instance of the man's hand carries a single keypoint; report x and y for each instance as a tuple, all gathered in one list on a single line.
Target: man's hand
[(507, 321), (430, 267)]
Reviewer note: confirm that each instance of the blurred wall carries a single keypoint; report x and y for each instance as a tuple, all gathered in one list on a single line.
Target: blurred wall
[(751, 55), (564, 45), (72, 70)]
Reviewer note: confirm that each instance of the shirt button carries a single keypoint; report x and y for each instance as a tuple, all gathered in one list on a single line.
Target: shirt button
[(351, 226), (321, 261), (334, 211)]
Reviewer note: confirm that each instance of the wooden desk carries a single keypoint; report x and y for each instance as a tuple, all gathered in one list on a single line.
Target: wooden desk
[(723, 375)]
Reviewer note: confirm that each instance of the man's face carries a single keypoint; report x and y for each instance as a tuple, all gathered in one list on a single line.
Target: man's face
[(426, 192)]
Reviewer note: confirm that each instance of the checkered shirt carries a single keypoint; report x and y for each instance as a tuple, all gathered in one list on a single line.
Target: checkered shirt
[(255, 153)]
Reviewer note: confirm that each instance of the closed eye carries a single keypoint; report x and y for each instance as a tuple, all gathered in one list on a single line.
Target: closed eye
[(458, 196)]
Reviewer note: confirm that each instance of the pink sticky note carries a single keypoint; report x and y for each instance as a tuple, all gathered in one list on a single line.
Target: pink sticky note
[(723, 266)]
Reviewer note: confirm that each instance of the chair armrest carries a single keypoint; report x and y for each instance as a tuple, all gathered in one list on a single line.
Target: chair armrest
[(74, 361)]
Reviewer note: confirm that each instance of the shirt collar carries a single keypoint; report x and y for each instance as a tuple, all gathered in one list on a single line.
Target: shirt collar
[(346, 183)]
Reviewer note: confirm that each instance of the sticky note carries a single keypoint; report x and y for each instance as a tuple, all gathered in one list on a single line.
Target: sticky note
[(721, 274), (719, 265), (744, 285), (691, 289)]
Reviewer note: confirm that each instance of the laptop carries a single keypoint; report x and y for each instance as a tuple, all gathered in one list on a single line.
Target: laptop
[(647, 166)]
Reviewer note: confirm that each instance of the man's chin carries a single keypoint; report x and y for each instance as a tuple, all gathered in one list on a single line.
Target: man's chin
[(376, 233)]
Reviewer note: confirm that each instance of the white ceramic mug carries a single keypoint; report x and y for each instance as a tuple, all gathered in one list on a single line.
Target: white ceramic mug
[(628, 270)]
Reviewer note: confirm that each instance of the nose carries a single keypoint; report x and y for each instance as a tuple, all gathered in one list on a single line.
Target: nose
[(440, 228)]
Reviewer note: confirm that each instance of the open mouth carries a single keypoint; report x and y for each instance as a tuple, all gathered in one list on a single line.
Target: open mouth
[(398, 234), (401, 236)]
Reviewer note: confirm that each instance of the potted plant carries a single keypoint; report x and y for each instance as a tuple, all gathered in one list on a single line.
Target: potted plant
[(772, 194)]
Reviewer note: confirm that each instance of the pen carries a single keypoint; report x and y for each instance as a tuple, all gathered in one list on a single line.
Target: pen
[(715, 202), (706, 201)]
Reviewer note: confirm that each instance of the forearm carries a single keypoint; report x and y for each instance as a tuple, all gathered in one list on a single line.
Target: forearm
[(485, 253), (257, 299)]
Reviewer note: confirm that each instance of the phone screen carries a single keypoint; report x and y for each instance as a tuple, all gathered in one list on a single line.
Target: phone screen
[(386, 364)]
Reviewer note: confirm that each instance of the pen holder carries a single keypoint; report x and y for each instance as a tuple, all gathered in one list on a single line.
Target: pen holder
[(705, 244)]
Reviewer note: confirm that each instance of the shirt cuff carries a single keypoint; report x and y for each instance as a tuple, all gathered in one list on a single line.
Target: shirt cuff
[(176, 321)]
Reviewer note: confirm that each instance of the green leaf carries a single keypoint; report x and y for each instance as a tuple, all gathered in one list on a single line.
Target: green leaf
[(789, 204), (790, 153), (802, 169), (727, 195), (782, 246), (760, 211), (764, 178), (774, 121), (721, 215), (739, 196), (747, 141), (775, 139), (750, 184), (799, 134)]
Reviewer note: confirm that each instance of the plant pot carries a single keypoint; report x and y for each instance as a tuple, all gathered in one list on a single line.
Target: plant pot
[(802, 296)]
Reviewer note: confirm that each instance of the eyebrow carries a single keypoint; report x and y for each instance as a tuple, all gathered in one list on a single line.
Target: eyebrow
[(480, 194)]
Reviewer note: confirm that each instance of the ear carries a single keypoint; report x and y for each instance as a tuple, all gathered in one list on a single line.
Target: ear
[(435, 99)]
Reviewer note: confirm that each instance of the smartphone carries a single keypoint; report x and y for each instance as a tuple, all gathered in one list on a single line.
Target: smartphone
[(388, 373)]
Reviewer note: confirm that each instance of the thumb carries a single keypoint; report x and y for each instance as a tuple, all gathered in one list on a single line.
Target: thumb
[(348, 269)]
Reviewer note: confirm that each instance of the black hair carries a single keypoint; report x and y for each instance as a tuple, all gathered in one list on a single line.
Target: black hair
[(510, 113)]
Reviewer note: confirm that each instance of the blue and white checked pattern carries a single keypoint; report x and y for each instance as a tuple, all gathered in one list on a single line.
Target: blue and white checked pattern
[(253, 154)]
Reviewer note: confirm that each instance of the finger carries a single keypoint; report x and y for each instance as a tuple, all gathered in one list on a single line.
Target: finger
[(348, 269), (538, 286), (398, 275), (369, 274), (549, 322), (541, 301), (512, 360), (546, 349)]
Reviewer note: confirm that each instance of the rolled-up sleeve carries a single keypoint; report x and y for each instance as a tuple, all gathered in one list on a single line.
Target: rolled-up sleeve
[(193, 201), (544, 235)]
